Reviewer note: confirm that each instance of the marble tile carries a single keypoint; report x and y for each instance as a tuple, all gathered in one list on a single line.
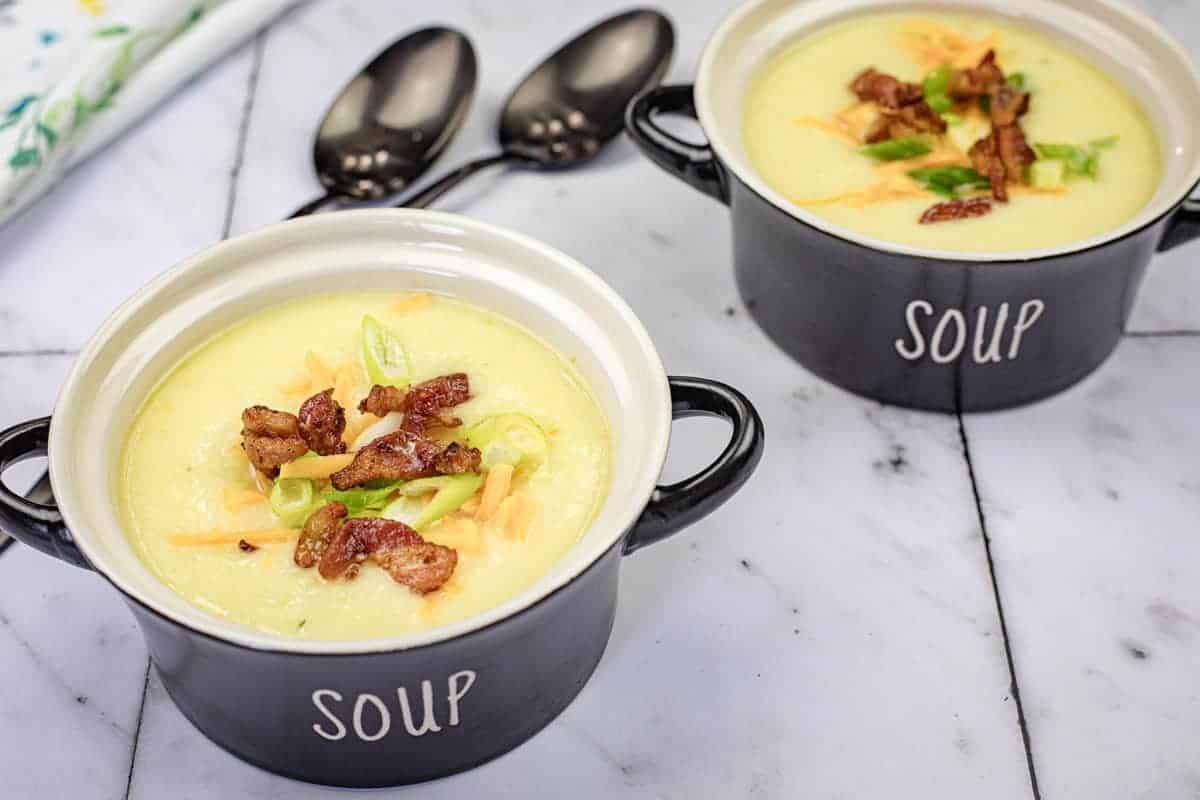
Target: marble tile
[(1091, 501), (153, 197), (72, 660)]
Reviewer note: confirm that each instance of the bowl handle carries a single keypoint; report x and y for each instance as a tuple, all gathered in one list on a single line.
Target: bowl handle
[(672, 508), (1183, 227), (694, 164), (34, 519)]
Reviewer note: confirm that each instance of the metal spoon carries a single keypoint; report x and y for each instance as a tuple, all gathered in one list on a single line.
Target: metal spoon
[(573, 104), (394, 118)]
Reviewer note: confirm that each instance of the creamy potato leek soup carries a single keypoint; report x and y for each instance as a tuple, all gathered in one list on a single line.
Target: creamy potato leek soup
[(362, 465), (955, 132)]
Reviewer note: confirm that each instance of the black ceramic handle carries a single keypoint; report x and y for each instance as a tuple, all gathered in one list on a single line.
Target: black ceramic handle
[(694, 164), (1183, 227), (33, 520), (672, 508)]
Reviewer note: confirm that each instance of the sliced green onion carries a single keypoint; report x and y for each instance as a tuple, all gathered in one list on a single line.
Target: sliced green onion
[(1079, 161), (897, 149), (363, 500), (509, 439), (937, 82), (1017, 81), (383, 354), (939, 103), (949, 181), (452, 492), (1046, 173), (293, 501), (950, 118)]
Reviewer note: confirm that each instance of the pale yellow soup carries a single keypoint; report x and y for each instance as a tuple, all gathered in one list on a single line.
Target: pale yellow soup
[(804, 90), (182, 470)]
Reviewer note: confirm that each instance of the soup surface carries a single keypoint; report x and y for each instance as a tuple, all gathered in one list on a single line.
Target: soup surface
[(204, 520), (807, 132)]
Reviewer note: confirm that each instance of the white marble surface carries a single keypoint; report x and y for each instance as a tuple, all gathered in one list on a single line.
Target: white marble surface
[(832, 633)]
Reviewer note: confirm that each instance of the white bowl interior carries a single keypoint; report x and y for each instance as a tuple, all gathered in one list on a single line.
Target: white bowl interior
[(1123, 42), (555, 297)]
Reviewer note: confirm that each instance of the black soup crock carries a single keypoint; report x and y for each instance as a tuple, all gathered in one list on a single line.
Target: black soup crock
[(379, 712), (934, 330)]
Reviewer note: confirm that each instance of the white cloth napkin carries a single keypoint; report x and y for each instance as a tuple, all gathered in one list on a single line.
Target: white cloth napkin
[(76, 73)]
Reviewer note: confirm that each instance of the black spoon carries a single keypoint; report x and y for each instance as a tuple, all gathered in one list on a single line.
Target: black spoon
[(574, 102), (394, 118)]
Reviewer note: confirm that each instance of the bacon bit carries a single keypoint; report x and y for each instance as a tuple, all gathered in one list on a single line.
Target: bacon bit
[(235, 500), (499, 481), (425, 403), (871, 85), (271, 438), (976, 81), (246, 547), (226, 538), (403, 456), (382, 400), (410, 560), (322, 422), (317, 467), (907, 121), (961, 208), (411, 302), (319, 530)]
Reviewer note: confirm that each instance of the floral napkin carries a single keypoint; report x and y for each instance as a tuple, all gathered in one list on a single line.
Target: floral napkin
[(75, 73)]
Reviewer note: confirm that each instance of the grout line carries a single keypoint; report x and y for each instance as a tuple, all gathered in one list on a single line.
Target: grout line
[(1014, 686), (243, 132), (227, 224), (137, 730), (50, 351), (1169, 334)]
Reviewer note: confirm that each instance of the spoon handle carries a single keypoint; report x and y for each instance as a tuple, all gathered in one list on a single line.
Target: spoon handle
[(315, 205), (427, 196)]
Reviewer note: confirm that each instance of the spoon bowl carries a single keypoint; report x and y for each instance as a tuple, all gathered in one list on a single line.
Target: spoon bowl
[(395, 117), (574, 103), (571, 105)]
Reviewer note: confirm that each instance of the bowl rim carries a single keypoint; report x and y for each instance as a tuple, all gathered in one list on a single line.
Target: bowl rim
[(1150, 214), (324, 227)]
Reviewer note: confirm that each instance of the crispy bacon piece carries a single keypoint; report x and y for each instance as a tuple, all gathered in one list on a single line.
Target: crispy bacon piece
[(961, 208), (456, 459), (426, 403), (245, 546), (969, 84), (1006, 105), (1002, 156), (322, 422), (404, 456), (907, 121), (318, 531), (271, 438), (873, 86), (382, 400), (410, 560)]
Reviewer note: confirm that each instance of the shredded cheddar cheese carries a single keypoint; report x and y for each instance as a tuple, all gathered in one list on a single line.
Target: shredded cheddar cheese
[(235, 500), (411, 302), (931, 44), (316, 466)]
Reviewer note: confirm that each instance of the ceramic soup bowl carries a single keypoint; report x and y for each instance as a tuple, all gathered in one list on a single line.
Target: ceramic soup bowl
[(381, 711), (916, 327)]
